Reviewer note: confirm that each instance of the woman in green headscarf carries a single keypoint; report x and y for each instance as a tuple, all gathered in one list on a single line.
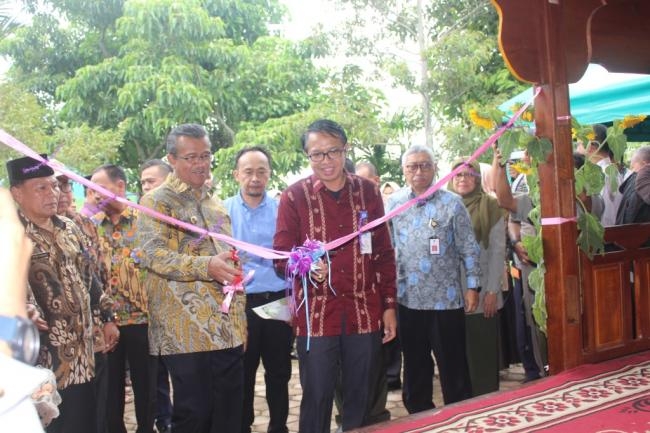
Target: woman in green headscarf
[(482, 325)]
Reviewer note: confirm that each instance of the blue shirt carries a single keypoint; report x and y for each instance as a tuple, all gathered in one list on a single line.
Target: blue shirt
[(256, 226), (428, 281)]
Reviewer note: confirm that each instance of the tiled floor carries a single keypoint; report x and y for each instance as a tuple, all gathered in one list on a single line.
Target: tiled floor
[(510, 379)]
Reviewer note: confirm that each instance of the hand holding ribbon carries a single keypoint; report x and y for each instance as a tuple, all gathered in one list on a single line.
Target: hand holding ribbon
[(237, 285)]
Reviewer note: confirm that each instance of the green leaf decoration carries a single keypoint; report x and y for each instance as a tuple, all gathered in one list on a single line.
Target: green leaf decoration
[(611, 172), (539, 149), (534, 247), (536, 282), (617, 141), (509, 142), (590, 177), (590, 236)]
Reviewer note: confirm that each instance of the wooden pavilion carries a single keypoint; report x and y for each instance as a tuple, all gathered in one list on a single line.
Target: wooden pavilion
[(597, 309)]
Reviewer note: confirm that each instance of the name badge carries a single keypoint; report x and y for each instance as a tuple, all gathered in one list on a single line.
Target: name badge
[(365, 241), (434, 246)]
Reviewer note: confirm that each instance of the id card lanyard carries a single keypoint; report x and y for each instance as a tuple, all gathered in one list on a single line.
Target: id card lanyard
[(365, 238)]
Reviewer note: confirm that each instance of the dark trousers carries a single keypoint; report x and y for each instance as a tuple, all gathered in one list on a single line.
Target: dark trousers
[(440, 331), (393, 362), (358, 358), (208, 390), (270, 341), (163, 399), (377, 411), (483, 352), (524, 333), (77, 410), (100, 384), (134, 348)]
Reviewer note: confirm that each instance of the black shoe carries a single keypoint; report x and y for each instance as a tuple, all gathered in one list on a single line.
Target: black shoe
[(531, 378), (394, 385)]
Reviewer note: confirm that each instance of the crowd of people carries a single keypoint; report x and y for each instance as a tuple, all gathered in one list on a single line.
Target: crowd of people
[(118, 295)]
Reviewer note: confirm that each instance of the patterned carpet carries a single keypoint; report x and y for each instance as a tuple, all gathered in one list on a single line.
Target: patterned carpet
[(608, 397)]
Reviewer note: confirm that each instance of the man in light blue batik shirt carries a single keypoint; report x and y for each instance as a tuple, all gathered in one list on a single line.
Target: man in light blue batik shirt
[(253, 213), (433, 239)]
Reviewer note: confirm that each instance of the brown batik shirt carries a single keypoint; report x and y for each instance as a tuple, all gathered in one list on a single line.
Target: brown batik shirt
[(62, 287)]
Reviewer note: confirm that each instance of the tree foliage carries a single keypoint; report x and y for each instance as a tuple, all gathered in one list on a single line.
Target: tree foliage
[(357, 108), (446, 51), (8, 17), (23, 118), (140, 67)]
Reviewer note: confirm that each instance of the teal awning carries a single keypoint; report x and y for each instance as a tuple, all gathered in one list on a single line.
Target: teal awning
[(601, 97)]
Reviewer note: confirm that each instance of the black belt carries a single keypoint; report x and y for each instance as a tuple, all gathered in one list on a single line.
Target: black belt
[(265, 295)]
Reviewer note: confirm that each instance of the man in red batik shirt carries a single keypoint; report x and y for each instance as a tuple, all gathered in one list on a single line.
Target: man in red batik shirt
[(349, 320)]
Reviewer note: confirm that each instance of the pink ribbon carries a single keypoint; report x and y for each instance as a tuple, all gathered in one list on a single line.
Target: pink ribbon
[(266, 253), (554, 221), (230, 289), (398, 210)]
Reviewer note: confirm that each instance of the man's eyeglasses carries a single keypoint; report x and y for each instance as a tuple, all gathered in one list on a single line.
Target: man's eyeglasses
[(331, 154), (193, 159), (422, 166)]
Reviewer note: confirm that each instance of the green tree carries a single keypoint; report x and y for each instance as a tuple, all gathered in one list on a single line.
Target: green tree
[(8, 17), (82, 148), (357, 108), (445, 51), (22, 117), (147, 65)]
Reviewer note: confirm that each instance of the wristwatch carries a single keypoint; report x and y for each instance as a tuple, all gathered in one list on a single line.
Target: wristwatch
[(21, 336)]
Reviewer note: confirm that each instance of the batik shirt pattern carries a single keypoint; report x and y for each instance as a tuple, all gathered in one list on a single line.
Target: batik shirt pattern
[(60, 287), (122, 258), (98, 267), (427, 281), (361, 287), (184, 301)]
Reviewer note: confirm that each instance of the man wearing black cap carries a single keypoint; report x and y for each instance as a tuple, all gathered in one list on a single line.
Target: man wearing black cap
[(62, 289)]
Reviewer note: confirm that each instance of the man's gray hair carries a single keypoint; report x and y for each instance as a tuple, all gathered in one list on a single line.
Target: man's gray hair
[(185, 130), (643, 153), (367, 164), (418, 148)]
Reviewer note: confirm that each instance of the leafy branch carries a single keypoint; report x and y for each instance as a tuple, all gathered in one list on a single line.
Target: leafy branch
[(589, 181)]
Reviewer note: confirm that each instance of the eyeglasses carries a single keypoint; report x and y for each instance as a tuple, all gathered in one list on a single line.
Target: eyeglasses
[(65, 187), (465, 174), (331, 154), (193, 159), (422, 166)]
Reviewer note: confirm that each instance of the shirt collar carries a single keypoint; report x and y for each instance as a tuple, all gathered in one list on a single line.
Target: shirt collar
[(424, 200), (604, 162), (58, 222), (318, 184), (127, 214), (178, 186), (240, 200)]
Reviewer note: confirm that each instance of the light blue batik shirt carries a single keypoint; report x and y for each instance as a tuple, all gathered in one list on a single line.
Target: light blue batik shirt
[(256, 226), (428, 281)]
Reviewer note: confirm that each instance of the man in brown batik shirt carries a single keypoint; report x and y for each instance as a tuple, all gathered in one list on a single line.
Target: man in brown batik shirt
[(63, 289)]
